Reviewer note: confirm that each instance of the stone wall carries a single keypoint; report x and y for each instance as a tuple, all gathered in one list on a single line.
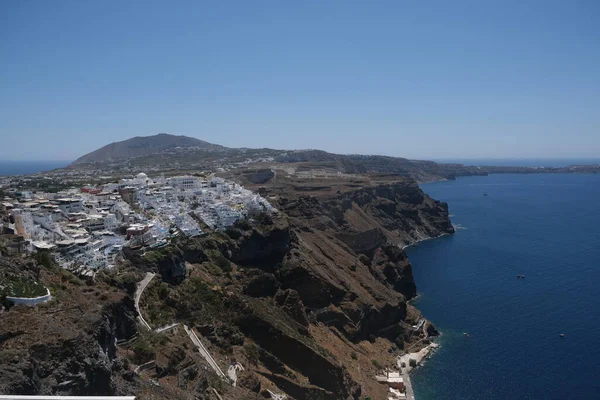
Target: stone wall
[(30, 301)]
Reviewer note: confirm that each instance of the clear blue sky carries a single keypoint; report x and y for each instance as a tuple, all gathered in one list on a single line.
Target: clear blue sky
[(419, 79)]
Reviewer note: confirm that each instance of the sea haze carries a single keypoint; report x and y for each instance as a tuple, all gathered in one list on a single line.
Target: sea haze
[(29, 167), (545, 226), (525, 162)]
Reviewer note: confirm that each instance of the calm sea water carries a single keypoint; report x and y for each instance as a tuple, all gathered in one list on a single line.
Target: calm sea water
[(544, 226), (29, 167)]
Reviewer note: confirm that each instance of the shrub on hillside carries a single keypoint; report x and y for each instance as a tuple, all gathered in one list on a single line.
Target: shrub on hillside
[(143, 349), (252, 353), (264, 218), (44, 259), (220, 261), (243, 224), (143, 352)]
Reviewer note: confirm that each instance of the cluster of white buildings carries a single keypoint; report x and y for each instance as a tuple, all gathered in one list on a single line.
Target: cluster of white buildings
[(216, 202), (80, 229), (86, 229)]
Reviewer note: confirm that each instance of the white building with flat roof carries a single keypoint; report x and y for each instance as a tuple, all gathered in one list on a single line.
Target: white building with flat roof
[(70, 204), (184, 182)]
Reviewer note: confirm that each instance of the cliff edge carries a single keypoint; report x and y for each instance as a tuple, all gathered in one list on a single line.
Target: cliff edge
[(311, 301)]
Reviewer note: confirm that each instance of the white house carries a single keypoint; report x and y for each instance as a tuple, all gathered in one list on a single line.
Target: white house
[(110, 222), (70, 205), (184, 182)]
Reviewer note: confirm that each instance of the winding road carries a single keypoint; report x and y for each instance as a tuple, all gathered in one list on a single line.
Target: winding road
[(138, 295)]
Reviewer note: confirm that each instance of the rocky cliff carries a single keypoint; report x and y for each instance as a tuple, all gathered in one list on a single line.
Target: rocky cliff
[(311, 301), (302, 297)]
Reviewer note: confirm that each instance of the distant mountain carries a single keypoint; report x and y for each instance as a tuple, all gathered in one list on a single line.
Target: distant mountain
[(169, 152), (164, 152), (141, 146)]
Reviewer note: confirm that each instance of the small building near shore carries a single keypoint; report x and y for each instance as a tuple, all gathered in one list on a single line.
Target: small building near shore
[(393, 379)]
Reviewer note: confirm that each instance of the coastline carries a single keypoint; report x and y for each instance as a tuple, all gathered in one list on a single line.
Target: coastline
[(423, 354), (426, 239), (419, 357)]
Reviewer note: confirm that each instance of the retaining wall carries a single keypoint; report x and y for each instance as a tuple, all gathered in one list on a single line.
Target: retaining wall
[(30, 301)]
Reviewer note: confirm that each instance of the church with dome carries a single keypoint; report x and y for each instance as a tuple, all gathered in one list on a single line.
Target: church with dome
[(141, 178)]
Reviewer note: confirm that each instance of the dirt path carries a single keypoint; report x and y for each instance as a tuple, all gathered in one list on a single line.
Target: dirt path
[(138, 295), (211, 361)]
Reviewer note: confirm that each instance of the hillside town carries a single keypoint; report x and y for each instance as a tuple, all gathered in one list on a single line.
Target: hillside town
[(86, 228)]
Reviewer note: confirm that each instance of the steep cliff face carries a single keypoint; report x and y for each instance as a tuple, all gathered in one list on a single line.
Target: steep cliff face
[(346, 261), (401, 209), (314, 290)]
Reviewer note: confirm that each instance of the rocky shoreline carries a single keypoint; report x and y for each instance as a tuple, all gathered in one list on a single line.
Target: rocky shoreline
[(404, 362), (419, 357), (406, 366), (426, 239)]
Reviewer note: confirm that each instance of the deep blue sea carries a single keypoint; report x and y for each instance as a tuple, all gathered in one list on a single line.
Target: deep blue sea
[(546, 227), (29, 167)]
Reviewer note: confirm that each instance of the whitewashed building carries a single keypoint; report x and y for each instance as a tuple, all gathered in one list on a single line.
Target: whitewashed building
[(184, 182), (70, 204)]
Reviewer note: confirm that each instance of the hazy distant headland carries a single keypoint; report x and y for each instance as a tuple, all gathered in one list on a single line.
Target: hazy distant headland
[(521, 162)]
